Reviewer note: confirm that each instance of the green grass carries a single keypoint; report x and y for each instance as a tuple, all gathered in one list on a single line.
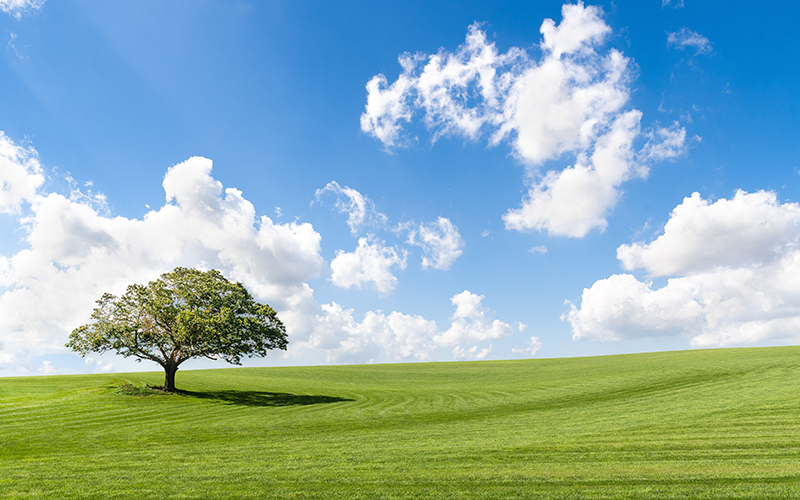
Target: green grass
[(695, 424)]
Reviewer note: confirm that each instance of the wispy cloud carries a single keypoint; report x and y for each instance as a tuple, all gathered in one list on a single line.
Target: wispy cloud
[(17, 8), (530, 349), (676, 4), (12, 46), (686, 39), (440, 241), (361, 210)]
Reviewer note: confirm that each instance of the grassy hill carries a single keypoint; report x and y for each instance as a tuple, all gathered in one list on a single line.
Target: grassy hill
[(694, 424)]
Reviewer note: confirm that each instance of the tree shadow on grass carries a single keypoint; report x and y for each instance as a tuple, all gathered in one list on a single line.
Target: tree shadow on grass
[(263, 398)]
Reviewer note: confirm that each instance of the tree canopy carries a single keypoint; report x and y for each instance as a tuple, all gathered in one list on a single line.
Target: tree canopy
[(184, 314)]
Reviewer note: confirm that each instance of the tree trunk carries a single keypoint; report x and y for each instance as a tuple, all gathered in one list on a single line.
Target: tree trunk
[(169, 380)]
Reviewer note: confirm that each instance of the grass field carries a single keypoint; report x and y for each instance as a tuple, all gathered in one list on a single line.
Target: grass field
[(694, 424)]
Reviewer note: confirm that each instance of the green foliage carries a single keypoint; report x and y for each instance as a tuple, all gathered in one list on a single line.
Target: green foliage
[(129, 389), (715, 424), (185, 314)]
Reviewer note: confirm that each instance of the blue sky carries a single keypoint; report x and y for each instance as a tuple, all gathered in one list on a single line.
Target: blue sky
[(406, 181)]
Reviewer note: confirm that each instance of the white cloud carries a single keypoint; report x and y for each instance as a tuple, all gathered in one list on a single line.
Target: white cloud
[(400, 336), (75, 254), (571, 102), (580, 29), (98, 364), (17, 8), (531, 349), (578, 199), (15, 363), (550, 105), (370, 263), (12, 46), (20, 174), (387, 107), (664, 143), (749, 229), (677, 4), (688, 39), (441, 90), (75, 251), (471, 322), (472, 353), (622, 307), (360, 209), (440, 241), (541, 249), (733, 268)]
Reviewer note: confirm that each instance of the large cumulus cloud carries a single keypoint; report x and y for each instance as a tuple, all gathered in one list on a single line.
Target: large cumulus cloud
[(75, 253), (733, 269), (404, 337), (570, 102)]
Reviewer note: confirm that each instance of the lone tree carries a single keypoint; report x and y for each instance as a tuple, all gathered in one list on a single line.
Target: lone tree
[(182, 315)]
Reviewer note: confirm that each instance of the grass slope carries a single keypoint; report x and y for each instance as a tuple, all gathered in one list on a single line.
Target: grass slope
[(695, 424)]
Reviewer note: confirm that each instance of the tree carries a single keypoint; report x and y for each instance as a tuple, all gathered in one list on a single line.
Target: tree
[(182, 315)]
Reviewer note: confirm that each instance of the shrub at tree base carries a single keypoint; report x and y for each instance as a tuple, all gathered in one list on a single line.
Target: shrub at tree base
[(129, 389), (182, 315)]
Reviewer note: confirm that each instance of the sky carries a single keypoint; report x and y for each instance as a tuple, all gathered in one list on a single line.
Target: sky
[(405, 181)]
